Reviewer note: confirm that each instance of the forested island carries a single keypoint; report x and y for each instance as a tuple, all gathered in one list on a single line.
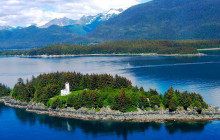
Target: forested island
[(104, 96), (180, 47)]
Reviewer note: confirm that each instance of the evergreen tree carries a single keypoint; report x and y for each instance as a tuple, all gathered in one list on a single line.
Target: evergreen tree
[(116, 103), (172, 105), (4, 91), (100, 103), (153, 92), (142, 89), (155, 100), (185, 100), (70, 101), (143, 102), (56, 103), (123, 101), (198, 107), (168, 96), (28, 92)]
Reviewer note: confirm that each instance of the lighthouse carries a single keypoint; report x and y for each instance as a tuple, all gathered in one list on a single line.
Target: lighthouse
[(66, 91)]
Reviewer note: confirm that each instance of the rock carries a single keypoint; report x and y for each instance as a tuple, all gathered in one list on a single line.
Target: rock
[(106, 113)]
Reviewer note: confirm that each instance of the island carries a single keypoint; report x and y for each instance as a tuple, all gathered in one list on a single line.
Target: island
[(130, 47), (103, 97)]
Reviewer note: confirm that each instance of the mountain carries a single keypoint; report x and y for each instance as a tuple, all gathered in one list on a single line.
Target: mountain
[(164, 19), (101, 17), (86, 23), (10, 28), (92, 22), (62, 30), (6, 28), (34, 37), (60, 22)]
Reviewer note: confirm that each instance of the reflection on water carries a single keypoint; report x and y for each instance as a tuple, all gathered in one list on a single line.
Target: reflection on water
[(175, 126), (97, 128)]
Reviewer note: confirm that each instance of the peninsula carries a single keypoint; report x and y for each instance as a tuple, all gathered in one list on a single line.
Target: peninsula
[(132, 47), (103, 97)]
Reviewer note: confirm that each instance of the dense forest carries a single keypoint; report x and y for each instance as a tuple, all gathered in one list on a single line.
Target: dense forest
[(164, 19), (4, 90), (98, 91), (123, 47)]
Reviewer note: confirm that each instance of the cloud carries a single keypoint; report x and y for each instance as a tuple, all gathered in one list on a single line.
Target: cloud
[(25, 12)]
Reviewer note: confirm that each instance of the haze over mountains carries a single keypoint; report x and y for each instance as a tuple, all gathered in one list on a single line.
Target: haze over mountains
[(62, 30), (158, 19)]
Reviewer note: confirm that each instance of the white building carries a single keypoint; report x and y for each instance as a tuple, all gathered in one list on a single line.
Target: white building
[(66, 91)]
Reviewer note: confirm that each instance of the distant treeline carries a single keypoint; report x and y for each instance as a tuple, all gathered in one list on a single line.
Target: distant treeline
[(123, 47), (97, 91)]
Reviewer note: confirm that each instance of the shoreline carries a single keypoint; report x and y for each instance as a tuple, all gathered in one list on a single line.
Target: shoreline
[(125, 54), (209, 49), (108, 114)]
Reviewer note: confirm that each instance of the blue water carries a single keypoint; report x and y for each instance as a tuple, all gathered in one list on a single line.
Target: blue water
[(17, 123), (200, 74)]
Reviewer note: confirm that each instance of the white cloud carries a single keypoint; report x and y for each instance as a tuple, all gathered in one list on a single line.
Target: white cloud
[(24, 12)]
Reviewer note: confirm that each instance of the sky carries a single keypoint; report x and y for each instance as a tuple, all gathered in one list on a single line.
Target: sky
[(39, 12)]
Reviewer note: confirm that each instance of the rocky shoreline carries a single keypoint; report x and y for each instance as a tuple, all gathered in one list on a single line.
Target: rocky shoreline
[(107, 114)]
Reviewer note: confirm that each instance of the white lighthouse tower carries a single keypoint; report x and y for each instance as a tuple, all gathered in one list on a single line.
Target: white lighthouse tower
[(66, 91)]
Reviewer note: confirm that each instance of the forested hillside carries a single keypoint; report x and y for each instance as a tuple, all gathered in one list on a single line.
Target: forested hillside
[(164, 19), (34, 37), (123, 47), (154, 20)]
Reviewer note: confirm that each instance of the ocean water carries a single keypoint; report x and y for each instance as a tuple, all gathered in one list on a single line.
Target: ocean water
[(19, 124), (199, 74)]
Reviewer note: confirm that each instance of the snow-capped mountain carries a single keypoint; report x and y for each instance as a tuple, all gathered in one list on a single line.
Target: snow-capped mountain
[(60, 22), (102, 17), (9, 28), (85, 20), (82, 26), (5, 27), (91, 22)]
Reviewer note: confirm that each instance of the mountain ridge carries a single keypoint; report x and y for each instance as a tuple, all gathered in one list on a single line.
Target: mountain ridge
[(164, 19), (154, 20)]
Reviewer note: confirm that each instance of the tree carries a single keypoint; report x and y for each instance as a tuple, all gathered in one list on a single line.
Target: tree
[(20, 81), (153, 92), (19, 90), (70, 101), (56, 103), (52, 90), (100, 102), (198, 107), (4, 91), (155, 100), (123, 101), (143, 102), (116, 103), (76, 104), (168, 96), (172, 105), (94, 82), (29, 92), (185, 100), (142, 89)]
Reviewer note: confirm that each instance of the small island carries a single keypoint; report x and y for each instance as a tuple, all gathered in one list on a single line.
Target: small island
[(103, 97), (131, 47)]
